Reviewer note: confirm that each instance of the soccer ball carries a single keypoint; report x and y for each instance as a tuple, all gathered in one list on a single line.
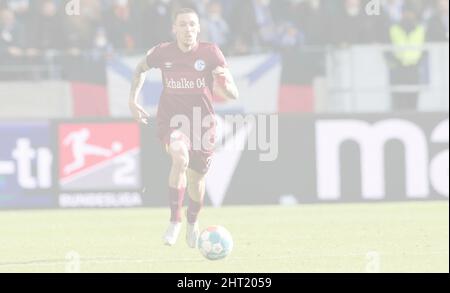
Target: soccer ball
[(215, 243)]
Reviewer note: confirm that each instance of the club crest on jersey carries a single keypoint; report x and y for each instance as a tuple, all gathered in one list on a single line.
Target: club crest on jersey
[(200, 65)]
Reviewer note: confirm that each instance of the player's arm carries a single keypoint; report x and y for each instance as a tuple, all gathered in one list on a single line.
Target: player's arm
[(139, 114), (224, 85)]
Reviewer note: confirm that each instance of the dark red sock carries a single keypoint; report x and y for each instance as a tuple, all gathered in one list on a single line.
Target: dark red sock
[(193, 211), (176, 197)]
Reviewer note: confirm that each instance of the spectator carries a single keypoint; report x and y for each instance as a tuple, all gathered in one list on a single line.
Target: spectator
[(391, 13), (215, 27), (266, 30), (394, 10), (201, 6), (352, 25), (11, 34), (22, 10), (243, 27), (121, 29), (157, 23), (283, 11), (312, 21), (48, 31), (438, 24), (407, 37), (11, 45), (80, 34)]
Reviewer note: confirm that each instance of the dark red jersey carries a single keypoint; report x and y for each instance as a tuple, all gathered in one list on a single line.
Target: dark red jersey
[(188, 83)]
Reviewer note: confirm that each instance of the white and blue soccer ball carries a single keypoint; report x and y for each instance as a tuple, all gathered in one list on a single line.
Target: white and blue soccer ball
[(215, 243)]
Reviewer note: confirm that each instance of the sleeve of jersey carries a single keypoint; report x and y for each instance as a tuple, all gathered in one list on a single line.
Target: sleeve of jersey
[(154, 57), (218, 57)]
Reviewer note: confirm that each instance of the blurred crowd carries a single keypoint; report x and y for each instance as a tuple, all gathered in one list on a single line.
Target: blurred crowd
[(238, 26)]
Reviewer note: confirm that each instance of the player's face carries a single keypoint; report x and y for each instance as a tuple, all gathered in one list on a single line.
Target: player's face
[(186, 29)]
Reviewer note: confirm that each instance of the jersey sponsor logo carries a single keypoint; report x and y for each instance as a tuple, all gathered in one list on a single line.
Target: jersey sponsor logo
[(99, 156), (185, 84), (200, 65)]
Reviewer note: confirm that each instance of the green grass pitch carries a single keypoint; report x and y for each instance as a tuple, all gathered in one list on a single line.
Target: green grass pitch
[(387, 237)]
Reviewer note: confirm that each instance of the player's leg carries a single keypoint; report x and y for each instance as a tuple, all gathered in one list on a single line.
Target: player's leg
[(178, 150), (196, 190)]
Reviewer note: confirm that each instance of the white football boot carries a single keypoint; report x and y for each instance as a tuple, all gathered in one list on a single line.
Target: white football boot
[(172, 233), (192, 234)]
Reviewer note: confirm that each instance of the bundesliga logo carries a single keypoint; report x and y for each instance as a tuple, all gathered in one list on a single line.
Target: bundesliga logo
[(185, 84)]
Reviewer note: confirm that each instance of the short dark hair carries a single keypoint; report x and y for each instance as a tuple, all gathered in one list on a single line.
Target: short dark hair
[(182, 11)]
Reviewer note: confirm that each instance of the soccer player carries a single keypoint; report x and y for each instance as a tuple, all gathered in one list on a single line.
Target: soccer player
[(192, 72)]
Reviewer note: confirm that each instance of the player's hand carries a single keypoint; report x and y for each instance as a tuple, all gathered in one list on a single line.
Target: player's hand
[(139, 114), (224, 85)]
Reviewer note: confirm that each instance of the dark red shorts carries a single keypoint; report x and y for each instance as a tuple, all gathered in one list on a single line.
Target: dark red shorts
[(199, 160)]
